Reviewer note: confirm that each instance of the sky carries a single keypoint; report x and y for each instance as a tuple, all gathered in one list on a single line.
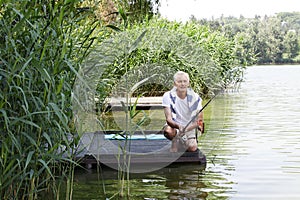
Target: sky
[(181, 10)]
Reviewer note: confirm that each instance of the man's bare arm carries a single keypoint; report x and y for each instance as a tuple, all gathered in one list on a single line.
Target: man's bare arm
[(170, 121), (173, 124)]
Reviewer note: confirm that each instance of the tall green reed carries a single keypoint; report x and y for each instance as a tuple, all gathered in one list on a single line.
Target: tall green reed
[(127, 85), (42, 45)]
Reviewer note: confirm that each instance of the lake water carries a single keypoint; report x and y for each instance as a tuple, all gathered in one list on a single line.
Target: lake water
[(252, 144)]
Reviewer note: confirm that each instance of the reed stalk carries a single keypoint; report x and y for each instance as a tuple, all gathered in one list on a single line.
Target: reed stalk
[(42, 45)]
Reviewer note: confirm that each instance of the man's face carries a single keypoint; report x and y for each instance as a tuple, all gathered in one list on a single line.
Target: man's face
[(181, 83)]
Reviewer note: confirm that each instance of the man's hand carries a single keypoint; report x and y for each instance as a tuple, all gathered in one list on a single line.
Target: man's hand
[(181, 131), (201, 126), (181, 134)]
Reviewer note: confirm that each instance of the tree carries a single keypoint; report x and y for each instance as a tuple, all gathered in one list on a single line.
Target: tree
[(291, 45), (270, 37), (130, 11)]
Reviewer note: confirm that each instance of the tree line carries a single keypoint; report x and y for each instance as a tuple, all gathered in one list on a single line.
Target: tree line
[(268, 39)]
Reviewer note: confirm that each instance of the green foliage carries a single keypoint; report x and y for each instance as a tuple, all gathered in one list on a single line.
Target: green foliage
[(263, 40), (208, 57), (41, 47), (138, 10), (220, 48)]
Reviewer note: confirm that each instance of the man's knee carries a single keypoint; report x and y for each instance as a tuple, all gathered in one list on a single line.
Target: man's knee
[(192, 146), (169, 133)]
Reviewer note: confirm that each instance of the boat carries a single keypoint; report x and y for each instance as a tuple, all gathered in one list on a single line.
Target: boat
[(147, 150)]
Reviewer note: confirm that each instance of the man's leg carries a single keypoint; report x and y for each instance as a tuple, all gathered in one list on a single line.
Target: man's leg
[(170, 133), (191, 143)]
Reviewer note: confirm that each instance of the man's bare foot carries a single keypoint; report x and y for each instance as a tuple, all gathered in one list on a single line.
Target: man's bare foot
[(173, 150)]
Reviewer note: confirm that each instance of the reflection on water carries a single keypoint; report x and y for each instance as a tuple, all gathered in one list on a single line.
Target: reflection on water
[(252, 144), (172, 182)]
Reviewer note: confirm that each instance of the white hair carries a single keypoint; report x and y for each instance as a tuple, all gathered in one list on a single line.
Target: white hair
[(181, 73)]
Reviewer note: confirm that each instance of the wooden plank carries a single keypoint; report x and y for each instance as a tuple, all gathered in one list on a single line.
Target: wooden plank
[(143, 103), (146, 132), (110, 107)]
